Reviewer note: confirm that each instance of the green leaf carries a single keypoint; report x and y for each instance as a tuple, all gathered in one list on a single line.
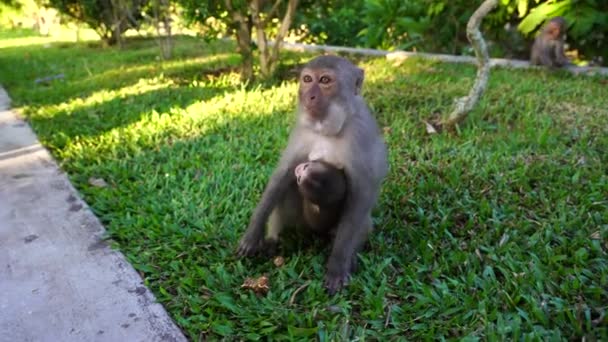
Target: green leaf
[(522, 8), (541, 13)]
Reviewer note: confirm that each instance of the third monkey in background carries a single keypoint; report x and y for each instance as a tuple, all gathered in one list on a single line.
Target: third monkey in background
[(548, 48), (335, 139)]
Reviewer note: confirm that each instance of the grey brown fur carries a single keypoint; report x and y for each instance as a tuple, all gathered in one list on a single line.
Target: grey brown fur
[(335, 125), (323, 191), (548, 47)]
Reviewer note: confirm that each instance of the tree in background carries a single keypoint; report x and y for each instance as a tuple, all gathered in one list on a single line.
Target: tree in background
[(336, 22), (440, 25), (109, 18), (11, 3), (243, 19), (161, 21)]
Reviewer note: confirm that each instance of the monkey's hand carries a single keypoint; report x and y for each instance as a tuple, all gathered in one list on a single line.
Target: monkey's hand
[(336, 280), (250, 244)]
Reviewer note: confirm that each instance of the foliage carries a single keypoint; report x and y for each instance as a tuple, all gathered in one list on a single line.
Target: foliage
[(334, 22), (244, 18), (499, 233), (394, 23), (427, 25), (109, 18), (13, 12), (7, 8), (11, 3), (440, 25)]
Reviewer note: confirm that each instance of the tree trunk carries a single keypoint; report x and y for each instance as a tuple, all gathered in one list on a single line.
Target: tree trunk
[(285, 24), (116, 24), (260, 25), (244, 49), (243, 40), (162, 16), (269, 55), (168, 51), (465, 104)]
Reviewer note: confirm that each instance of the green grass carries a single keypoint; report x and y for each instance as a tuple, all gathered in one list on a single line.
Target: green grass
[(497, 233)]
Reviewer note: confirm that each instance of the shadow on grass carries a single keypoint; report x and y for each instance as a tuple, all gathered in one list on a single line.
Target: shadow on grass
[(95, 119), (93, 69)]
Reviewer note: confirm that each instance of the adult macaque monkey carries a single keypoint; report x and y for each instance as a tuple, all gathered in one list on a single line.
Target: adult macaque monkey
[(334, 125), (548, 47)]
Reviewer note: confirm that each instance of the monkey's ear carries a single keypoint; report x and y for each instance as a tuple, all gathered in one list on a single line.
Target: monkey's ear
[(359, 76)]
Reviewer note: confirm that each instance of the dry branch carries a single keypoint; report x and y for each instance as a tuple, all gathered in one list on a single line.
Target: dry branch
[(269, 56), (464, 104)]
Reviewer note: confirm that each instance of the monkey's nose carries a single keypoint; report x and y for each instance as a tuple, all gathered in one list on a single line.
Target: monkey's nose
[(312, 98)]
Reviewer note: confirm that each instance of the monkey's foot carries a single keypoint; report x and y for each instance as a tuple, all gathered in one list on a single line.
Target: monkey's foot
[(335, 282)]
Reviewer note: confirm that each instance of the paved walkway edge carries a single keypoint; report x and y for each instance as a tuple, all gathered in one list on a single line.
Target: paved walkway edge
[(58, 280)]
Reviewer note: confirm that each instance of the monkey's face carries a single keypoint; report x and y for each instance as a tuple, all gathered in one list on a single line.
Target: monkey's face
[(317, 89), (555, 28), (553, 31), (329, 87)]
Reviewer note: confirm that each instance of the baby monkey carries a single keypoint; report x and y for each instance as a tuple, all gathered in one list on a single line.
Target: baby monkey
[(548, 48), (323, 190)]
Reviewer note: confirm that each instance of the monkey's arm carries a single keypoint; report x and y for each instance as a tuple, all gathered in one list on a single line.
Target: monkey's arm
[(279, 182), (536, 51), (560, 56), (546, 56)]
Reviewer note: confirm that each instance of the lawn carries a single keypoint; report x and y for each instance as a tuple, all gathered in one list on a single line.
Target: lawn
[(497, 232)]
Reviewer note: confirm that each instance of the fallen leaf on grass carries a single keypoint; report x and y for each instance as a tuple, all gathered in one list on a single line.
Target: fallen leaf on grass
[(279, 261), (430, 129), (98, 182), (259, 285)]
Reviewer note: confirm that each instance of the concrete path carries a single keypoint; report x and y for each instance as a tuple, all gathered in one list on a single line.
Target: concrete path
[(58, 280)]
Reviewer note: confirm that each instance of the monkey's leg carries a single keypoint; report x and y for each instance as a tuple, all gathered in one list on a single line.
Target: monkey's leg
[(560, 56), (546, 58), (364, 245), (351, 234), (275, 225), (287, 212), (253, 239)]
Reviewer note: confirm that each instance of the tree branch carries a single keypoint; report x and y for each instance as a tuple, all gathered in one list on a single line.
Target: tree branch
[(243, 39), (465, 104), (261, 36), (285, 24), (274, 9)]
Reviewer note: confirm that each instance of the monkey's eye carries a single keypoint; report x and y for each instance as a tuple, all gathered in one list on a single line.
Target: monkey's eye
[(307, 79), (325, 79)]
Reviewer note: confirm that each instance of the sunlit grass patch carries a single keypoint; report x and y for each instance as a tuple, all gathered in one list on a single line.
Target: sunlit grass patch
[(60, 35)]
